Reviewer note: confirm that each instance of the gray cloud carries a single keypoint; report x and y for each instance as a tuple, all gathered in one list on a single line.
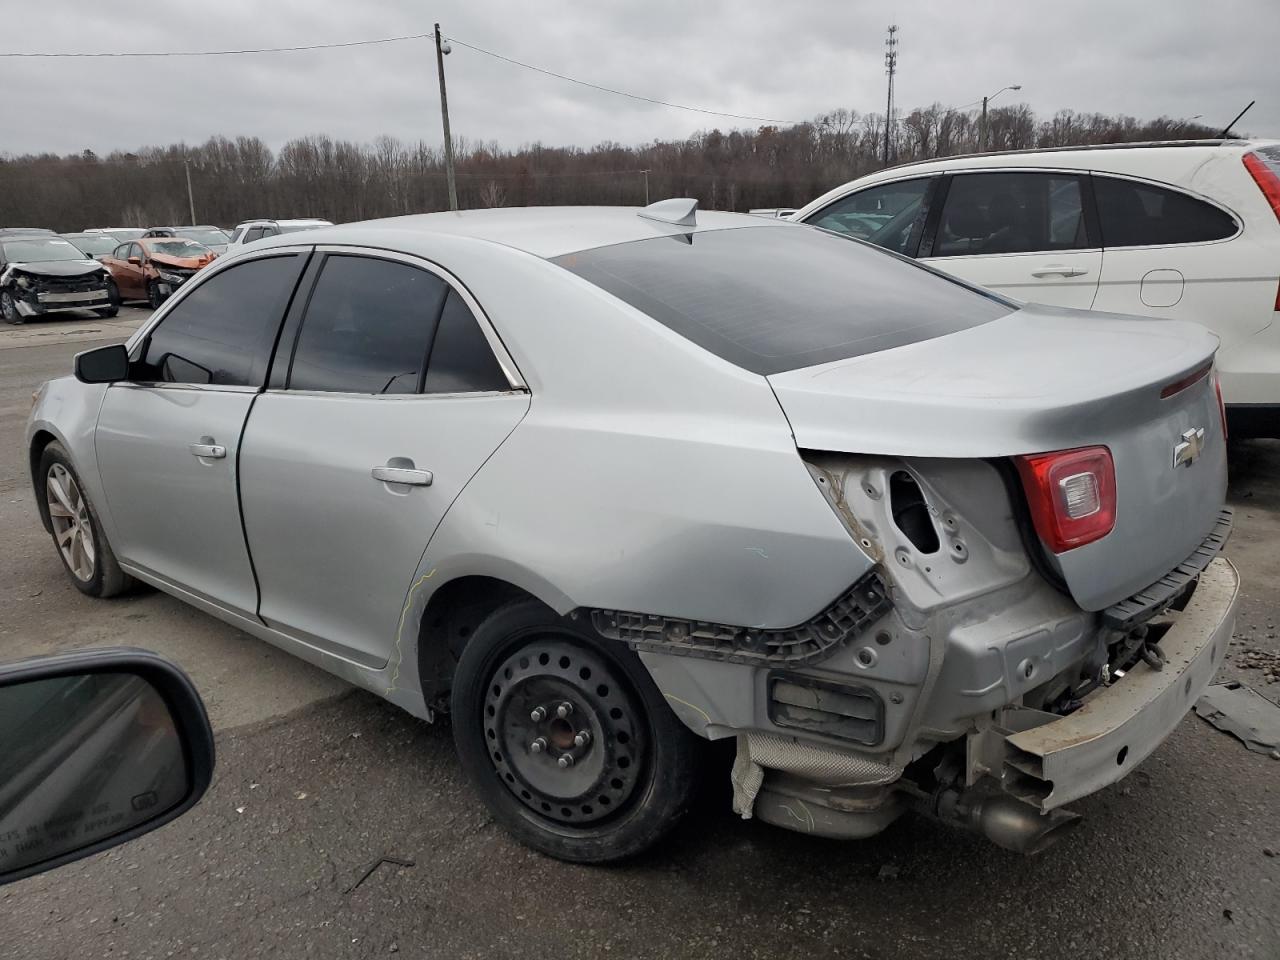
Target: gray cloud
[(770, 59)]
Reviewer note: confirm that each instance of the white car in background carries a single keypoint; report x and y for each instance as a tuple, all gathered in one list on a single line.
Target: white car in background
[(248, 231), (1189, 230)]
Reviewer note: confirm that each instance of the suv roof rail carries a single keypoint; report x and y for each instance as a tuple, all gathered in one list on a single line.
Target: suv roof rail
[(1079, 148)]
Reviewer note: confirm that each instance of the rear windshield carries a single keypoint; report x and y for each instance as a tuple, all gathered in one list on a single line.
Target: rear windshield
[(776, 298)]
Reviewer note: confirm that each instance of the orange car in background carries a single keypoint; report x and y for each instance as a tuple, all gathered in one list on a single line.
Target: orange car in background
[(154, 267)]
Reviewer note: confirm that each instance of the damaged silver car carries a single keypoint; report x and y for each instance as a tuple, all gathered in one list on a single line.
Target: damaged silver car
[(602, 482)]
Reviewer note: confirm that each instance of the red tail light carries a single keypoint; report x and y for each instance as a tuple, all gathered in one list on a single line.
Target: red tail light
[(1072, 495), (1266, 179)]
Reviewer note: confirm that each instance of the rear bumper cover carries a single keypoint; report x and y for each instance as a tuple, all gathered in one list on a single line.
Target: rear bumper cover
[(1121, 725)]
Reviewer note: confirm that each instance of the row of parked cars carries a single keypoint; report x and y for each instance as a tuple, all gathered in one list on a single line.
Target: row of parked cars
[(42, 272)]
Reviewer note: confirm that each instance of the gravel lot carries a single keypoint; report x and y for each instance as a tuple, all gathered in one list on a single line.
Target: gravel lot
[(316, 781)]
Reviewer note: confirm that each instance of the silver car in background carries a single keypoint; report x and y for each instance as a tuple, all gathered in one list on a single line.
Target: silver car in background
[(602, 482)]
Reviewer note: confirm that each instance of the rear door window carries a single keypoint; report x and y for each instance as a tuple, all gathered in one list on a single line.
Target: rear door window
[(1134, 214), (774, 298), (368, 327), (223, 330), (890, 215), (1014, 212)]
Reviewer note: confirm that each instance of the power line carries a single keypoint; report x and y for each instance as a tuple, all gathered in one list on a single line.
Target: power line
[(380, 40), (218, 53), (620, 93)]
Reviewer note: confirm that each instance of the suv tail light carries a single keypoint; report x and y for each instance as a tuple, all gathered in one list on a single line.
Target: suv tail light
[(1072, 495), (1263, 171), (1266, 178)]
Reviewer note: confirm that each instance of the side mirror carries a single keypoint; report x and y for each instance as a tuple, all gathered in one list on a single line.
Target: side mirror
[(103, 365), (97, 747), (136, 261)]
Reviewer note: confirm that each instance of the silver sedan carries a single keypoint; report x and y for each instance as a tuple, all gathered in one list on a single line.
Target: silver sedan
[(607, 483)]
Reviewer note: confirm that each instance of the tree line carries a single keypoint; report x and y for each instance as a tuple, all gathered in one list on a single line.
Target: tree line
[(317, 176)]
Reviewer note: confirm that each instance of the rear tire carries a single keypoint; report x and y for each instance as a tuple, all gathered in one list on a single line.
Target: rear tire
[(630, 780), (76, 529)]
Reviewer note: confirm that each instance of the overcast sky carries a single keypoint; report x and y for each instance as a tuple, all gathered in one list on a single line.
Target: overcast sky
[(760, 57)]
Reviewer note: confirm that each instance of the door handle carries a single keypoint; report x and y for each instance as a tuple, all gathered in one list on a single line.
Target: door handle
[(211, 451), (416, 478), (1058, 270)]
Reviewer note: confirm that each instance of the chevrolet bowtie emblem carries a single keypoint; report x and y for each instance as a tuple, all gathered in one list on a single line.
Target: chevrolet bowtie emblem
[(1189, 447)]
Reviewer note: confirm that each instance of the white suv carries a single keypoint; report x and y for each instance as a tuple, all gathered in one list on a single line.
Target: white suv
[(248, 231), (1180, 229)]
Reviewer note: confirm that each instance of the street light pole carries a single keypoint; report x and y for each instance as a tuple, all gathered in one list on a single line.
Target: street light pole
[(982, 124), (441, 50)]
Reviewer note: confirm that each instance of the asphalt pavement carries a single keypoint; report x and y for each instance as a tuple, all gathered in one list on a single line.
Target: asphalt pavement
[(316, 782)]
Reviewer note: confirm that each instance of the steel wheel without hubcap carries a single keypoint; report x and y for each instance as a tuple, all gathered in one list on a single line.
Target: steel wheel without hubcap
[(565, 733), (72, 528)]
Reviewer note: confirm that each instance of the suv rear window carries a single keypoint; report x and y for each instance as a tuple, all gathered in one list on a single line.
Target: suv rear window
[(778, 298), (1134, 214)]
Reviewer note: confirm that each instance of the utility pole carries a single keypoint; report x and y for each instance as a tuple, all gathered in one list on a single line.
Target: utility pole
[(646, 187), (891, 68), (191, 202), (441, 49)]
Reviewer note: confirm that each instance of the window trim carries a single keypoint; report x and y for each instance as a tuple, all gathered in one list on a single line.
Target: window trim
[(500, 353), (1088, 211), (1172, 188), (930, 200)]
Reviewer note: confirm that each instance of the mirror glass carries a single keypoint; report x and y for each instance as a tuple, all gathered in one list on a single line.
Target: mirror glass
[(83, 758)]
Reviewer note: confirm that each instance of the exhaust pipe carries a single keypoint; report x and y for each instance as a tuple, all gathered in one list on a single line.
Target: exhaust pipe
[(1006, 821)]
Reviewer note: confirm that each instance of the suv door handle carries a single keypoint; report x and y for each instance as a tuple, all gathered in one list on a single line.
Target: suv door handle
[(212, 451), (1058, 270), (416, 478)]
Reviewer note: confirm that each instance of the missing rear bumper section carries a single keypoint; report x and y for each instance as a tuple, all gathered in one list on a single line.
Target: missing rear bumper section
[(1119, 726), (810, 642)]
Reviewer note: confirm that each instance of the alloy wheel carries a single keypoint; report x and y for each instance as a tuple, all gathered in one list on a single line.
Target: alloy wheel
[(565, 733), (72, 527), (9, 309)]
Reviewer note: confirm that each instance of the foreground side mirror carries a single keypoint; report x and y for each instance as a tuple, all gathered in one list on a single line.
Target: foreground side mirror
[(103, 365), (97, 747)]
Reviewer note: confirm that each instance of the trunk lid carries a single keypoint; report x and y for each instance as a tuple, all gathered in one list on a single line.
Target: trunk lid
[(1038, 380)]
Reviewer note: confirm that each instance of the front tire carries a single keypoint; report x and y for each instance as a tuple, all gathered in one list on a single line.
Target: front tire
[(566, 738), (76, 529), (154, 296), (9, 308)]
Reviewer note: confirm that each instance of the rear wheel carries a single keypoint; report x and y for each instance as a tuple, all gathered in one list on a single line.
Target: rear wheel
[(567, 739), (76, 529)]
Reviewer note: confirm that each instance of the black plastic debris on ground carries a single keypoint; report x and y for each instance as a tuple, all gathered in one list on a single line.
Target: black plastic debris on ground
[(1240, 711)]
